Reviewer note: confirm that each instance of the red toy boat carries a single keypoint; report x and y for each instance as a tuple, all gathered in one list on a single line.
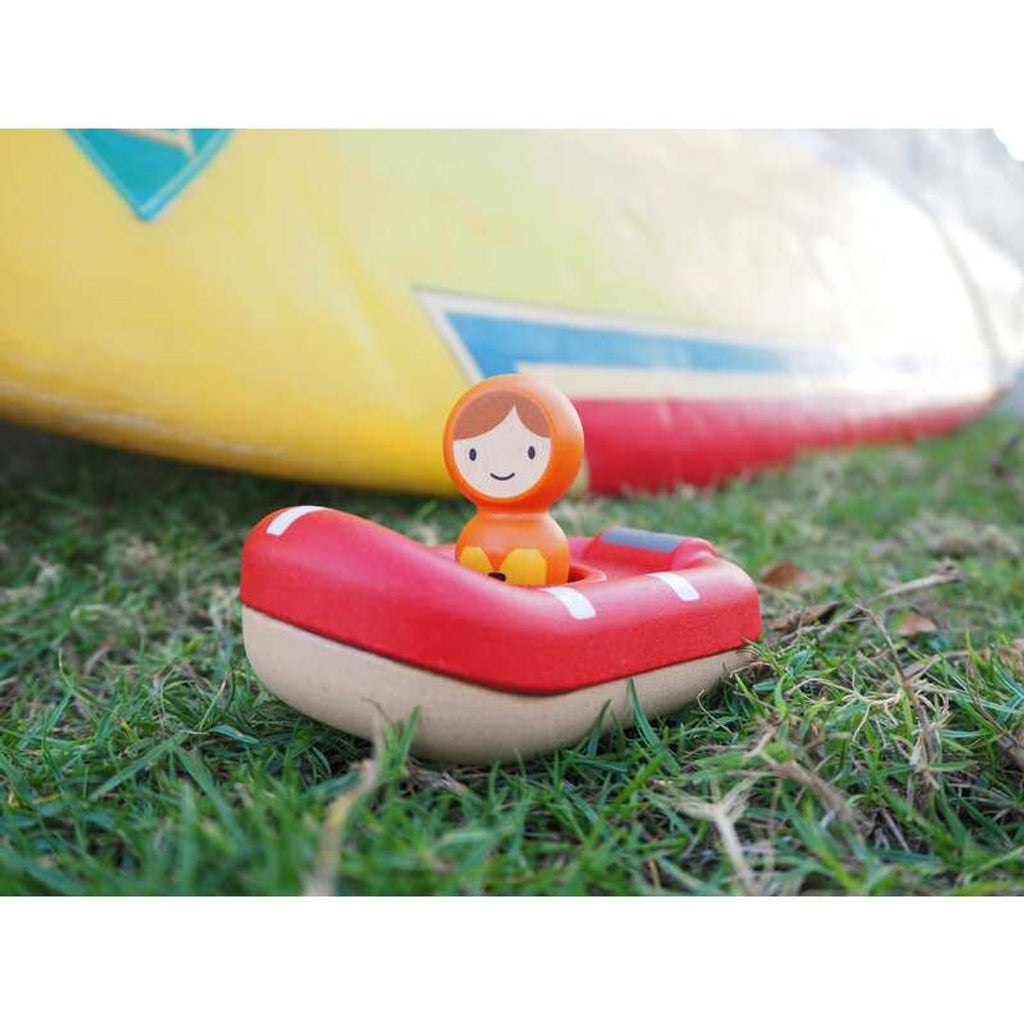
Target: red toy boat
[(343, 617)]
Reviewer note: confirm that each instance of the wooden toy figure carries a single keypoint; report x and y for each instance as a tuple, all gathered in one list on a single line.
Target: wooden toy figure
[(513, 445)]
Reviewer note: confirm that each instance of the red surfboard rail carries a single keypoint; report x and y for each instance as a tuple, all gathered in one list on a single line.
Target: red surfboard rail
[(640, 601), (726, 438)]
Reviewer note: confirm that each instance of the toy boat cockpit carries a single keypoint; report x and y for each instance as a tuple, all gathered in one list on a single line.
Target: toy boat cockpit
[(344, 619)]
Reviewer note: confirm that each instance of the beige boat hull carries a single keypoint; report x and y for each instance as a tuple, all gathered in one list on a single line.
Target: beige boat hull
[(347, 687)]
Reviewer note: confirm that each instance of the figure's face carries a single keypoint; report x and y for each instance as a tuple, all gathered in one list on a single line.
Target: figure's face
[(504, 462)]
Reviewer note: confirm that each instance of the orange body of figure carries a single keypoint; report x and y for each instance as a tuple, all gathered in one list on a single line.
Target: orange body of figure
[(513, 445)]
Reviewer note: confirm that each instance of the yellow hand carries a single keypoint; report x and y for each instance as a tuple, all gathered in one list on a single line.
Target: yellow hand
[(476, 558), (525, 566)]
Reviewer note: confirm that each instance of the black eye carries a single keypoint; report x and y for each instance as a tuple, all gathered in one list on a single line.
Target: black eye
[(472, 455), (531, 452)]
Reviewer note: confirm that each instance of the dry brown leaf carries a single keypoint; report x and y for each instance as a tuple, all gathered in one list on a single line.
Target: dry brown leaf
[(787, 576), (913, 624), (804, 617)]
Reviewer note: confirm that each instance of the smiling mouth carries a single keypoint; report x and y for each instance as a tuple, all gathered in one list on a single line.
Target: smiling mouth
[(509, 477)]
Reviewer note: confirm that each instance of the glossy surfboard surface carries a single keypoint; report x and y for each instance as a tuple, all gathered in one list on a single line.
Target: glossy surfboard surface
[(310, 304)]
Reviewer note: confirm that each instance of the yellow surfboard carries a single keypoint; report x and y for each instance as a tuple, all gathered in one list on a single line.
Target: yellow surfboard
[(309, 304)]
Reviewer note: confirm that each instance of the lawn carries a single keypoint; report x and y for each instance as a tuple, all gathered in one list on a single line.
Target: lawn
[(876, 745)]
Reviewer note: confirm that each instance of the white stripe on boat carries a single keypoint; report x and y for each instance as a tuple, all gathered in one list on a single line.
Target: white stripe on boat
[(683, 588), (284, 519), (575, 603)]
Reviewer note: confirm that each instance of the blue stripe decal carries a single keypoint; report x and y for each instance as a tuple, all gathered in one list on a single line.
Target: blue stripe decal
[(499, 344), (150, 167), (646, 540)]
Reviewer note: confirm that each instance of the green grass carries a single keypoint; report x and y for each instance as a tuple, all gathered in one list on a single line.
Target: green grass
[(139, 754)]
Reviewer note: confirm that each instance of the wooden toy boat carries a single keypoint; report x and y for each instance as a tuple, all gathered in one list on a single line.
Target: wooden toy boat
[(344, 619)]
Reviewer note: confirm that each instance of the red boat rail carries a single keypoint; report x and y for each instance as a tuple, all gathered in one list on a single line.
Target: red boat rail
[(639, 601)]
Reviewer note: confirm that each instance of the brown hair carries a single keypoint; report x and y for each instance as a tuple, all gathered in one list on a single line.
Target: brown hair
[(487, 411)]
